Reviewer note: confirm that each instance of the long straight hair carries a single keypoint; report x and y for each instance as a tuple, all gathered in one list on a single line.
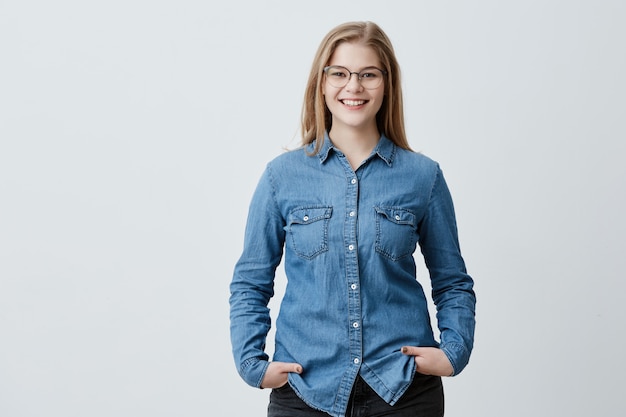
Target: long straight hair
[(316, 118)]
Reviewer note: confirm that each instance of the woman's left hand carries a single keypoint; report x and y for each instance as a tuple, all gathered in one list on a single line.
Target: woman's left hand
[(430, 360)]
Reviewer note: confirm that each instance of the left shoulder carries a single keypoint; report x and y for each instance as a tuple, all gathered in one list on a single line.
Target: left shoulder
[(415, 161)]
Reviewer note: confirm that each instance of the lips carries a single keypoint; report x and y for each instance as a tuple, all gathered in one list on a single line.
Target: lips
[(353, 103)]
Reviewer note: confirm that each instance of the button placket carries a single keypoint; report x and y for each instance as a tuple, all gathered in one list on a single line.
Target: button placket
[(354, 299), (352, 268)]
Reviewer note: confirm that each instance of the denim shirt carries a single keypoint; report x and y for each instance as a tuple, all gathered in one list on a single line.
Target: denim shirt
[(352, 298)]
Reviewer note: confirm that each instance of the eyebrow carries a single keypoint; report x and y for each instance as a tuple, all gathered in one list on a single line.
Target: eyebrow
[(362, 68)]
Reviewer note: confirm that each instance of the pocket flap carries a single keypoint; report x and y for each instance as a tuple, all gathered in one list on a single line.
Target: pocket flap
[(397, 215), (306, 215)]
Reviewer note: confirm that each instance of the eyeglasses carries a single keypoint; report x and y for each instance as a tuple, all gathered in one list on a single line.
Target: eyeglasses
[(370, 77)]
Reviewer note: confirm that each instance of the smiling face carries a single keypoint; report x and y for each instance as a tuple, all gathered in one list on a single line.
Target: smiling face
[(354, 107)]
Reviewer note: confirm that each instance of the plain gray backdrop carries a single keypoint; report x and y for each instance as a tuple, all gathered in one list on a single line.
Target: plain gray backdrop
[(133, 133)]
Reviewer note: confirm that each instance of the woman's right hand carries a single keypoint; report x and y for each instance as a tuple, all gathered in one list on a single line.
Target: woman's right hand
[(278, 372)]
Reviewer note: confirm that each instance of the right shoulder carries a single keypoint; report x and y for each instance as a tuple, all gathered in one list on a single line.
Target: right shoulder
[(291, 159)]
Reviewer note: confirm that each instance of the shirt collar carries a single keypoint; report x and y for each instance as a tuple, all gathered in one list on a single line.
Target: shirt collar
[(385, 149)]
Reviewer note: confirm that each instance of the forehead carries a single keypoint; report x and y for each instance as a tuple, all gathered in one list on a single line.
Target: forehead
[(353, 55)]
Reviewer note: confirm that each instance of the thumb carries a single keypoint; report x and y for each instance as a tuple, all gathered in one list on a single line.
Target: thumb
[(291, 367), (411, 350)]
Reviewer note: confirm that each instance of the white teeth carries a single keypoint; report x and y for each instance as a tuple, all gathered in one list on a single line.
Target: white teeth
[(353, 102)]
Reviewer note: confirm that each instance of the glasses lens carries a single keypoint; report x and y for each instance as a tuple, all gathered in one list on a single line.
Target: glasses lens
[(369, 78), (337, 76)]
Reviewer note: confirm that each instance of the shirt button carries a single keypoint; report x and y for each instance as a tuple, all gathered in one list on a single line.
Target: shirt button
[(353, 286), (356, 360), (352, 214), (351, 247), (397, 217), (355, 325), (353, 181), (305, 218)]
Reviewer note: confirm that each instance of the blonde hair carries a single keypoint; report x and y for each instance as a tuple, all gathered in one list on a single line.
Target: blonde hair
[(316, 117)]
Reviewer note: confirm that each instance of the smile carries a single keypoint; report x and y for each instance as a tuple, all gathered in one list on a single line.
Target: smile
[(353, 102)]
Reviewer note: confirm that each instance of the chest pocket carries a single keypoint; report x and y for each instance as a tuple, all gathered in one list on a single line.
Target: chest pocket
[(307, 230), (396, 235)]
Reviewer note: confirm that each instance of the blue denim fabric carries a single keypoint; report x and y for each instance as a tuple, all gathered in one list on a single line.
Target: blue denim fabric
[(423, 398), (352, 299)]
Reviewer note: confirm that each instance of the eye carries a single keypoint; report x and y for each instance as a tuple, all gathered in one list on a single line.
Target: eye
[(370, 73), (336, 72)]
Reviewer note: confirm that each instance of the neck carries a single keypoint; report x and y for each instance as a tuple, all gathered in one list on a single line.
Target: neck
[(356, 144)]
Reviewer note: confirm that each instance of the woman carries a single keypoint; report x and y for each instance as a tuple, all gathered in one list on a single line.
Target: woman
[(349, 208)]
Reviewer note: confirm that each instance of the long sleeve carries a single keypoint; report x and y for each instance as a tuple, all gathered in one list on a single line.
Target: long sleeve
[(252, 284), (452, 287)]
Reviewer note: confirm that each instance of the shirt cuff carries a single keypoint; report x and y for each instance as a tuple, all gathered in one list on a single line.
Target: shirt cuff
[(458, 356), (253, 370)]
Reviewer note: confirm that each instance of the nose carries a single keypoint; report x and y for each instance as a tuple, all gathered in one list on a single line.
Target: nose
[(354, 84)]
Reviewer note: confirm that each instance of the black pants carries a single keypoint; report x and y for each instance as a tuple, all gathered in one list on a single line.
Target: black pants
[(424, 398)]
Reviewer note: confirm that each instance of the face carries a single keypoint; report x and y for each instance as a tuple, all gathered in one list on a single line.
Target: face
[(353, 106)]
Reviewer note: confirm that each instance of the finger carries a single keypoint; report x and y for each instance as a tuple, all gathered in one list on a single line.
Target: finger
[(412, 350), (290, 367)]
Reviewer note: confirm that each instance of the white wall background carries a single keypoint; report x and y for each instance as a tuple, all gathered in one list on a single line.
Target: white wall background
[(132, 134)]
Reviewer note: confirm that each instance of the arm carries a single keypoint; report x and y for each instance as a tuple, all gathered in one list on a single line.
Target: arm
[(452, 287), (252, 285)]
